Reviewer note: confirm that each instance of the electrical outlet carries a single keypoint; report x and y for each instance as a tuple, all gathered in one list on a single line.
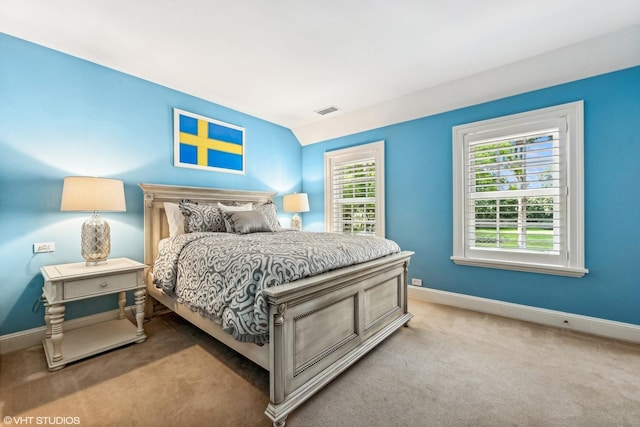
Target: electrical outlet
[(416, 282), (44, 247)]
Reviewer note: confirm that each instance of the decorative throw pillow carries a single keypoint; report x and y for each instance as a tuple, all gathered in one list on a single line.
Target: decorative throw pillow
[(235, 208), (201, 217), (270, 213), (244, 222), (174, 218)]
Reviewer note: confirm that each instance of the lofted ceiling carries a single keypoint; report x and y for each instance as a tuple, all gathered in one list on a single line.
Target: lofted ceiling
[(378, 61)]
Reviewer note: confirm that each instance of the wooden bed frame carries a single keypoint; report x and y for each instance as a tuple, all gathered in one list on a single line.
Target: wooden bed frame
[(318, 326)]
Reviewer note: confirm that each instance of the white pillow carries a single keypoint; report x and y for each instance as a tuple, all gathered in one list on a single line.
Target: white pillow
[(238, 208), (174, 218)]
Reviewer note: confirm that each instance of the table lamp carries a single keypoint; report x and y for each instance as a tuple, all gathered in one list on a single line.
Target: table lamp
[(83, 193), (296, 202)]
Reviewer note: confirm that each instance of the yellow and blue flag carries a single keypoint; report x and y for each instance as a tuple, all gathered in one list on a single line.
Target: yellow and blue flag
[(204, 143)]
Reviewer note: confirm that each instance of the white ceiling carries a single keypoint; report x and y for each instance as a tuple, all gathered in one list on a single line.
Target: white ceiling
[(378, 61)]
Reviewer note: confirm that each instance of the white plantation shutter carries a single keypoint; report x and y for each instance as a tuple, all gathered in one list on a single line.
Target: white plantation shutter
[(354, 196), (518, 185), (354, 190), (515, 191)]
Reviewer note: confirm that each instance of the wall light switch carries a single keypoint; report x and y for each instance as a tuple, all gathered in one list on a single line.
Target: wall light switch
[(44, 247)]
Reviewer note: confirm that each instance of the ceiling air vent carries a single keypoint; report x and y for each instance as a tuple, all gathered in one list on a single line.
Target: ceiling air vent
[(327, 110)]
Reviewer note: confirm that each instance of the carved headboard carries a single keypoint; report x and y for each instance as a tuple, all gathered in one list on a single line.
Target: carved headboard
[(156, 226)]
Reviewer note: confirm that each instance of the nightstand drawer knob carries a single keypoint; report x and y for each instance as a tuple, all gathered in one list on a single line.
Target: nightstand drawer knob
[(104, 284)]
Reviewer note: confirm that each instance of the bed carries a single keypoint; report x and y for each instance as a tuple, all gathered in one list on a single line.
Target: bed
[(317, 326)]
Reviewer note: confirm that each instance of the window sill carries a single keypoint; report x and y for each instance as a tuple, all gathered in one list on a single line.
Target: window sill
[(521, 266)]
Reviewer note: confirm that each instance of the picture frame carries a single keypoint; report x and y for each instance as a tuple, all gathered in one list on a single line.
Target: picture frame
[(204, 143)]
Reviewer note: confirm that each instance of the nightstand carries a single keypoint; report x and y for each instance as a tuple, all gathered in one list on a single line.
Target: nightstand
[(72, 282)]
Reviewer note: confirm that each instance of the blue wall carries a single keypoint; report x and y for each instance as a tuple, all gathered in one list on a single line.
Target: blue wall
[(62, 116), (418, 156)]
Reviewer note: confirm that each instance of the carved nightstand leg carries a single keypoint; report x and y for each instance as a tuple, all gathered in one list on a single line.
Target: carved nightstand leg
[(139, 295), (122, 301), (47, 318), (56, 318)]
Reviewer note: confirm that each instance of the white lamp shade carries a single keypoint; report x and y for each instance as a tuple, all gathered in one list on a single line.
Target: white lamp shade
[(296, 202), (84, 193)]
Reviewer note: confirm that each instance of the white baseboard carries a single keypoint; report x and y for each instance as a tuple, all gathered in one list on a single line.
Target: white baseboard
[(591, 325), (25, 339)]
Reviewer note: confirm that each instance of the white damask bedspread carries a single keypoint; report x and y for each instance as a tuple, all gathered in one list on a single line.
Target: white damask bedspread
[(223, 275)]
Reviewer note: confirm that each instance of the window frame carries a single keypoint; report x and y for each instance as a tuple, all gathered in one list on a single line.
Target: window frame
[(357, 153), (570, 260)]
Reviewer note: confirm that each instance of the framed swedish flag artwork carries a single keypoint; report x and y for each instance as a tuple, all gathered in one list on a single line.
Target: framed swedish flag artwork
[(203, 143)]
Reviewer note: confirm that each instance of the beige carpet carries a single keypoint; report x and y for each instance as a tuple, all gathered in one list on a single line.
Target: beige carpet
[(451, 367)]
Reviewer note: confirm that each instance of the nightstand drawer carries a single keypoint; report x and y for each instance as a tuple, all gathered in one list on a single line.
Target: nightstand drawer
[(99, 285)]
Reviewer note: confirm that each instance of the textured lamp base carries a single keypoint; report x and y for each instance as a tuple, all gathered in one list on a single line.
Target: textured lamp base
[(96, 240), (296, 222)]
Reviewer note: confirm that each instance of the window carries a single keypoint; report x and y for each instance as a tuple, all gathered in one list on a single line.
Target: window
[(354, 190), (518, 192)]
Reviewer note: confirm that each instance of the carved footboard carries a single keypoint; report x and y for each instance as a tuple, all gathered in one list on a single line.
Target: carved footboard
[(322, 325)]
